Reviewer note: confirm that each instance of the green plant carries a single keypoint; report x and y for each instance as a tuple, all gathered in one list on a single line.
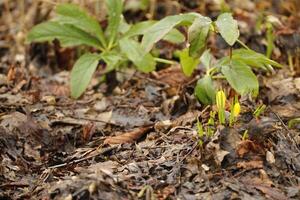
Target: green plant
[(293, 122), (259, 110), (200, 132), (119, 43), (220, 101), (116, 45), (245, 135), (236, 68)]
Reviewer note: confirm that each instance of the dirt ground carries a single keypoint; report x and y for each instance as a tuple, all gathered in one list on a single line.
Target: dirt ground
[(135, 136)]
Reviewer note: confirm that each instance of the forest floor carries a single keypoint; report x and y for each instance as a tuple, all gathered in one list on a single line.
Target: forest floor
[(136, 135)]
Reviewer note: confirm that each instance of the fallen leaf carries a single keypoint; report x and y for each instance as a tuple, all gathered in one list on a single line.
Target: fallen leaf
[(88, 131), (247, 146), (253, 164), (128, 137)]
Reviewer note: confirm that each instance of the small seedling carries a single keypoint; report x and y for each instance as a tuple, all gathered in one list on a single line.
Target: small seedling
[(245, 135), (211, 124), (293, 122), (220, 101), (259, 111), (200, 132)]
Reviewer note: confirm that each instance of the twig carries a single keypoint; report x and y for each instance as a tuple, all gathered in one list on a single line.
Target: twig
[(101, 151), (286, 128)]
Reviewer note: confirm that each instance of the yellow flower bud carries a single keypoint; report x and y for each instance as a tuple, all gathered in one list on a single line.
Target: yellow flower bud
[(236, 109), (220, 99)]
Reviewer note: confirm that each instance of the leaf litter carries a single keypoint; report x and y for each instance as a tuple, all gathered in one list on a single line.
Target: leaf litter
[(141, 140)]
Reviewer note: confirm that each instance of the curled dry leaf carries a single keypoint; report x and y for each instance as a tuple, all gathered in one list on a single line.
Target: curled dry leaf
[(128, 137)]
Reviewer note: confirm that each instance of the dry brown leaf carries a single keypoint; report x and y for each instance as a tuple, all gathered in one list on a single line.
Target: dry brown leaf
[(247, 146), (172, 76), (88, 131), (128, 137), (253, 164)]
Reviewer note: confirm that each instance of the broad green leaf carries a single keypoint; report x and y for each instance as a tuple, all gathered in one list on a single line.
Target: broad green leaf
[(240, 77), (228, 28), (206, 59), (67, 35), (114, 9), (135, 53), (82, 73), (197, 35), (174, 36), (253, 58), (187, 62), (124, 26), (139, 28), (112, 60), (161, 28), (205, 90), (74, 15)]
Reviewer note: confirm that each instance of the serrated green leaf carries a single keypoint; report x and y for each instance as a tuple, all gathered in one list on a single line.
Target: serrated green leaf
[(197, 35), (228, 28), (135, 53), (74, 15), (188, 63), (114, 9), (240, 77), (67, 35), (161, 28), (82, 73), (205, 90)]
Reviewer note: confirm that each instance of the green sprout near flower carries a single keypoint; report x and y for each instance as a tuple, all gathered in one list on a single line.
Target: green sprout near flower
[(220, 101)]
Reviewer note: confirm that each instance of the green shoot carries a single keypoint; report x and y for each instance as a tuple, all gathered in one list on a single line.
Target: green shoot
[(293, 122), (200, 132), (220, 101), (259, 110), (245, 135)]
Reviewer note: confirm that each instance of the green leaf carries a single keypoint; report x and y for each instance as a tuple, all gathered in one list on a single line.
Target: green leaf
[(174, 36), (139, 28), (112, 60), (74, 15), (114, 9), (240, 77), (135, 53), (187, 62), (206, 59), (161, 28), (205, 90), (197, 35), (68, 35), (228, 28), (253, 58), (82, 73)]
